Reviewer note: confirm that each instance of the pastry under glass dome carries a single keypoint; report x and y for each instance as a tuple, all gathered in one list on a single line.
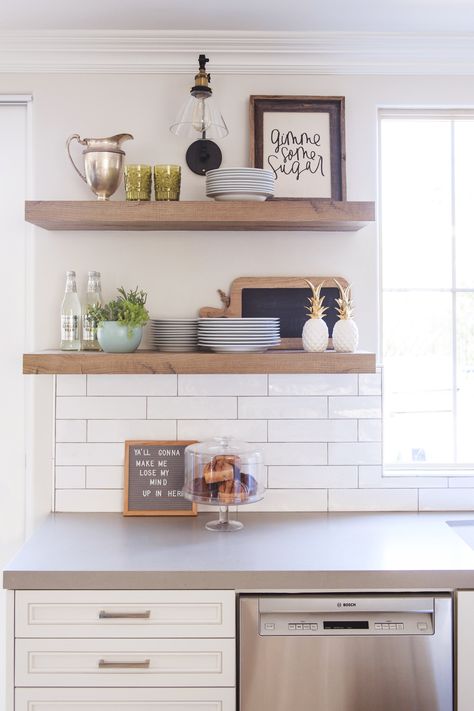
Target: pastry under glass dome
[(223, 472)]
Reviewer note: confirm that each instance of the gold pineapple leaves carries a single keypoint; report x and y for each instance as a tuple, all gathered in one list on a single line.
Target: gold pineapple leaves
[(345, 306), (316, 308)]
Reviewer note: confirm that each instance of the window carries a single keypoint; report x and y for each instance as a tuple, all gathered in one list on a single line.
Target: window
[(427, 263)]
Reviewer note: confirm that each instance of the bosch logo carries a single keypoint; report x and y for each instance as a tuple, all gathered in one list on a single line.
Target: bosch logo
[(347, 604)]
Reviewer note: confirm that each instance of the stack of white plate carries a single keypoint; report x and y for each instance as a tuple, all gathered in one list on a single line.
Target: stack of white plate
[(240, 184), (174, 335), (231, 335)]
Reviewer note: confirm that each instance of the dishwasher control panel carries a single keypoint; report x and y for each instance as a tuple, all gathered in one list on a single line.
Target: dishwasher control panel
[(285, 617)]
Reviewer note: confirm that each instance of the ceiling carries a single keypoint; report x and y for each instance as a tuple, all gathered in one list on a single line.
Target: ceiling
[(420, 16)]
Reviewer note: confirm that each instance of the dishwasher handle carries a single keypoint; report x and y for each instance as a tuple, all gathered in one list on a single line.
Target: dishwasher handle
[(344, 604)]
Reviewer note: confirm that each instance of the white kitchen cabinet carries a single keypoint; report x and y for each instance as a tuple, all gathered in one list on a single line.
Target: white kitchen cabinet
[(131, 650), (125, 613), (125, 662), (125, 699), (465, 650)]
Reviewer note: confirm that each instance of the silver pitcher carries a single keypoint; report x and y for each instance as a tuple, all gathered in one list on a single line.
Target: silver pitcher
[(103, 162)]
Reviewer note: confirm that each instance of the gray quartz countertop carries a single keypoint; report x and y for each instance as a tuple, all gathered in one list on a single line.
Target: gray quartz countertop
[(274, 551)]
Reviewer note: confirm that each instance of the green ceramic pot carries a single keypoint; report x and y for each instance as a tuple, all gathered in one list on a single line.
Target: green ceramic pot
[(115, 338)]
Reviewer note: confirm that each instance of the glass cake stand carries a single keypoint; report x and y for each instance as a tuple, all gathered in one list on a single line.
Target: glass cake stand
[(223, 472)]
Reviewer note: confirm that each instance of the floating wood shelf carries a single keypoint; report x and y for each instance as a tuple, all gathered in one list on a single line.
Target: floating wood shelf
[(310, 215), (142, 362)]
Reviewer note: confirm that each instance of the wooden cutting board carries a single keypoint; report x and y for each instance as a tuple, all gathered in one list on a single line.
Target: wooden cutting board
[(285, 297)]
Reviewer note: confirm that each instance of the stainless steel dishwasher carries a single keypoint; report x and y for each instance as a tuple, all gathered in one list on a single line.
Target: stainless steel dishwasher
[(338, 653)]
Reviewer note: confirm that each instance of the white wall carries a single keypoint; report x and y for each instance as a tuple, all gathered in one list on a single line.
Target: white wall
[(182, 271)]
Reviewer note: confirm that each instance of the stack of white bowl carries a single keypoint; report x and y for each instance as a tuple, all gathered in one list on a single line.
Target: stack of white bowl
[(240, 184), (174, 335), (238, 335)]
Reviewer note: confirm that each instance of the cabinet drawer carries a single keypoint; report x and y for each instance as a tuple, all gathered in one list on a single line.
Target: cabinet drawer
[(125, 613), (125, 662), (125, 699)]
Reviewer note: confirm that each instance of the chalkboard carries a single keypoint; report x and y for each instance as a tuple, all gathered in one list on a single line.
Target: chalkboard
[(290, 306), (154, 479)]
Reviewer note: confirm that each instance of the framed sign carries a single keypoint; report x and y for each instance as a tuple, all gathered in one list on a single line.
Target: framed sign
[(301, 140), (154, 479)]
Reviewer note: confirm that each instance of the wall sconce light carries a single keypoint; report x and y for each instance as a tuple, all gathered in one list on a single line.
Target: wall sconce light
[(200, 115)]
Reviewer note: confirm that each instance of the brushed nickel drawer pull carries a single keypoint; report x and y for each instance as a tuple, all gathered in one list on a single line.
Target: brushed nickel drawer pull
[(104, 664), (104, 615)]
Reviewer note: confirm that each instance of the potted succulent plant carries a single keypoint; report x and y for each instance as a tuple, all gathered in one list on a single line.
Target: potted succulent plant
[(120, 322)]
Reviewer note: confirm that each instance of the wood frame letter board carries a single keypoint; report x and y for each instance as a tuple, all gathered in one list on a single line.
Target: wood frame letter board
[(154, 479)]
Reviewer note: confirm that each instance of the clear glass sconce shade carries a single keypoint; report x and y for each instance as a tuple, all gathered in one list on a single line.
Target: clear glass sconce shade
[(199, 115)]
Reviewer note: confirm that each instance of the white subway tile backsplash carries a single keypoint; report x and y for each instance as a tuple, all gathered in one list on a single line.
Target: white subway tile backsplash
[(291, 500), (70, 385), (321, 436), (276, 453), (71, 430), (311, 477), (192, 408), (282, 407), (371, 477), (354, 453), (370, 383), (370, 430), (312, 430), (447, 499), (73, 477), (365, 407), (104, 477), (94, 500), (100, 408), (119, 385), (373, 500), (220, 384), (121, 430), (90, 453), (246, 430), (312, 384)]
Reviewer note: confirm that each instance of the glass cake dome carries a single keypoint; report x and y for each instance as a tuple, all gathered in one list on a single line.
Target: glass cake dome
[(223, 472)]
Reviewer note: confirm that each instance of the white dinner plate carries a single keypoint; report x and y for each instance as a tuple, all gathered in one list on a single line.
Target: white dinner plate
[(238, 340), (231, 197), (238, 349), (174, 326), (239, 327), (173, 331), (240, 183), (238, 169), (238, 334), (236, 319), (166, 349)]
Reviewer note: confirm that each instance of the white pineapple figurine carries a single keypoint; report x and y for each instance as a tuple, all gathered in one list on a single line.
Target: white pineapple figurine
[(345, 334), (315, 331)]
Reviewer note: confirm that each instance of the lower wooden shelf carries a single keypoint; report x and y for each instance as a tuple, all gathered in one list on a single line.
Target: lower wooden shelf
[(143, 362)]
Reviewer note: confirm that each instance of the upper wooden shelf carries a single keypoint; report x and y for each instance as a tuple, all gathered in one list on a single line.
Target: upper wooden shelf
[(310, 215), (142, 362)]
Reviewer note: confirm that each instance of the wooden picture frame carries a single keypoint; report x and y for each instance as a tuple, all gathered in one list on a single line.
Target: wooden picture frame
[(301, 139), (174, 478), (270, 300)]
